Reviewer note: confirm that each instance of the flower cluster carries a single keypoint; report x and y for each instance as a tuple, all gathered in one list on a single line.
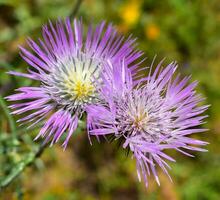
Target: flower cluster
[(99, 76)]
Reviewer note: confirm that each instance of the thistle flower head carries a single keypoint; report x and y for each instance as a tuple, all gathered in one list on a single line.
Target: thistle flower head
[(68, 68), (159, 112)]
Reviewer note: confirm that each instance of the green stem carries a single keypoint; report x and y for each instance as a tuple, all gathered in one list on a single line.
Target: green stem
[(20, 166), (76, 8), (8, 115)]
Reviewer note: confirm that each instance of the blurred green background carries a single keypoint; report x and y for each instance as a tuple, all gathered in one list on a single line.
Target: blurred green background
[(181, 30)]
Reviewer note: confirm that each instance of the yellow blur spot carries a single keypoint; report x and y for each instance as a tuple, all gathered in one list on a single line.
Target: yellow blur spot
[(130, 12), (152, 32)]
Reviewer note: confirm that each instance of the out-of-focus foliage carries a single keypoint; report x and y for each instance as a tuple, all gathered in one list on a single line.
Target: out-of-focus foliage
[(186, 31)]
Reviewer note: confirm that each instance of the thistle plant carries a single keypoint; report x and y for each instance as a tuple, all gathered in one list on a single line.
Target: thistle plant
[(99, 76)]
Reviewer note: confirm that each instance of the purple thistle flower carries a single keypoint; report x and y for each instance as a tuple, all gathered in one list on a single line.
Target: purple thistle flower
[(157, 113), (68, 68)]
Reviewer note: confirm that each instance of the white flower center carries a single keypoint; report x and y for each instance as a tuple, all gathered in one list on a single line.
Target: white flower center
[(139, 119), (133, 115), (73, 81)]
